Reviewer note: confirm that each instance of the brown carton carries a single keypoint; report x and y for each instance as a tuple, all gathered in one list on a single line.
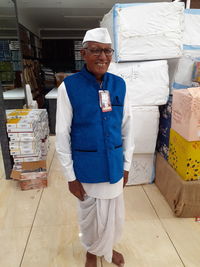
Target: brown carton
[(182, 196), (32, 176), (33, 183), (30, 166)]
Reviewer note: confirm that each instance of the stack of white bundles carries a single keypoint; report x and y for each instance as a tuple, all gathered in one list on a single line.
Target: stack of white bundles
[(146, 122), (142, 169), (27, 130), (40, 115), (147, 83), (146, 31)]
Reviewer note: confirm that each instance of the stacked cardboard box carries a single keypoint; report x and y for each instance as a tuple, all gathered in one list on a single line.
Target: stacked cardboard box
[(184, 148), (179, 183), (183, 72), (28, 132)]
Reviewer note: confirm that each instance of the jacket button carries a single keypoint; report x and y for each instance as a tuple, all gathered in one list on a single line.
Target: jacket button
[(105, 118)]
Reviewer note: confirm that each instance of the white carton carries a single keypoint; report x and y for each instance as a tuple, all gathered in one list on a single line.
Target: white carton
[(20, 125)]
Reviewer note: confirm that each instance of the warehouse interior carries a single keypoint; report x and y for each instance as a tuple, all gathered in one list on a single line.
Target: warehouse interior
[(39, 226)]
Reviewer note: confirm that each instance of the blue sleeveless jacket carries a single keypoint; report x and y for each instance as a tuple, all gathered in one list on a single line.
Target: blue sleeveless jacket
[(96, 140)]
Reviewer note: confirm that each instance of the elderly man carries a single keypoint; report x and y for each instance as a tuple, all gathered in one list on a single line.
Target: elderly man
[(94, 143)]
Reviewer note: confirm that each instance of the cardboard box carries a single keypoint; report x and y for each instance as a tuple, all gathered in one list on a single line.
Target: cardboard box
[(36, 114), (184, 156), (33, 184), (21, 124), (32, 176), (27, 159), (24, 144), (186, 113), (60, 76), (24, 151), (22, 135), (28, 167), (182, 197)]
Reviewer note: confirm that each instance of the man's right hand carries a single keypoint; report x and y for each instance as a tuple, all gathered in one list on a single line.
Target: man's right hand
[(76, 188)]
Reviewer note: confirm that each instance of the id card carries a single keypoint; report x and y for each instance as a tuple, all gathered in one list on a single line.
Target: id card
[(104, 100)]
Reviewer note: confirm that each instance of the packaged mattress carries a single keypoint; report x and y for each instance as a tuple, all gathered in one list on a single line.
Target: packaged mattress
[(147, 83), (146, 31)]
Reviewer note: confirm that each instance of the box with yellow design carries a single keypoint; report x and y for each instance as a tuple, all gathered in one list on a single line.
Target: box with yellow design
[(184, 156)]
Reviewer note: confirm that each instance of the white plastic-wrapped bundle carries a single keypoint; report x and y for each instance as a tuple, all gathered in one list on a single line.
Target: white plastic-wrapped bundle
[(191, 31), (146, 31), (147, 82), (183, 74), (184, 70), (142, 169), (182, 77), (145, 121)]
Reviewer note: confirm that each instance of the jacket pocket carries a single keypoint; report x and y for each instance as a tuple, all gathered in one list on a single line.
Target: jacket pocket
[(118, 146), (83, 150)]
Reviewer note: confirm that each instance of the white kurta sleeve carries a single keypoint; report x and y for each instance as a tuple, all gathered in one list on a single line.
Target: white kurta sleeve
[(63, 129), (127, 134)]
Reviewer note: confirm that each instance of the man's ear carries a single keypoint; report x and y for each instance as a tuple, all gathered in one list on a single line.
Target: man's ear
[(82, 52)]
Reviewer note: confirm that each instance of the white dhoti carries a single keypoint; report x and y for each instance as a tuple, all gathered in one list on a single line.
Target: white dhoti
[(101, 222)]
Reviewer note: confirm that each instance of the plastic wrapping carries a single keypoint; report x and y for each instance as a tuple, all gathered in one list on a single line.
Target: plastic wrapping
[(146, 31)]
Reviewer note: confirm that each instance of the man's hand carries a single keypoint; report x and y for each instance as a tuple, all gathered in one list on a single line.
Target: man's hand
[(76, 188), (125, 177)]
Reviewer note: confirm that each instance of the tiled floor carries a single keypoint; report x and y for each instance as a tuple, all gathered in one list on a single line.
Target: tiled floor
[(39, 227)]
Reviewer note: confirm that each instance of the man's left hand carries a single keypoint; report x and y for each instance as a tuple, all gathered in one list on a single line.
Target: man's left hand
[(125, 177)]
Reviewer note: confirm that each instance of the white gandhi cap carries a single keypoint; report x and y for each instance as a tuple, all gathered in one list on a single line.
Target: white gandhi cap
[(100, 35)]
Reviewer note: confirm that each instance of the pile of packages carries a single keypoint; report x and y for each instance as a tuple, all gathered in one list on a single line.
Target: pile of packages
[(184, 73), (184, 142), (145, 37), (28, 132), (179, 143)]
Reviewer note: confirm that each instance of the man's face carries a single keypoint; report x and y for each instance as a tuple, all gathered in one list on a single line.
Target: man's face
[(97, 64)]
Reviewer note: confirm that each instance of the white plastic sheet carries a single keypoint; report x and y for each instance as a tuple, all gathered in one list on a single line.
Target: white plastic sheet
[(147, 83), (146, 31)]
